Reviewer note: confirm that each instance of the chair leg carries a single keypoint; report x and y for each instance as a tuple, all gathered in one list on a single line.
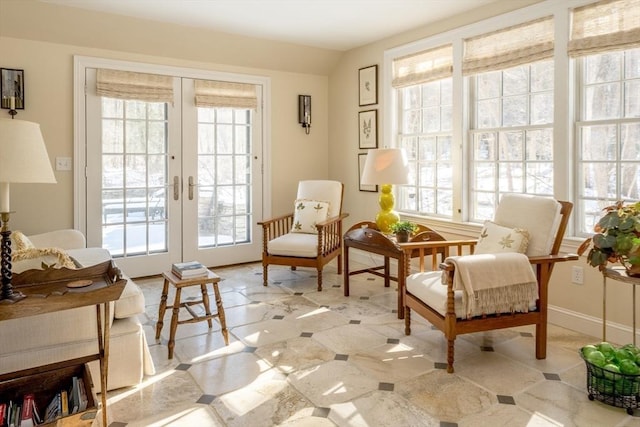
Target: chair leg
[(340, 264), (407, 320), (450, 347), (541, 341), (319, 280), (265, 274)]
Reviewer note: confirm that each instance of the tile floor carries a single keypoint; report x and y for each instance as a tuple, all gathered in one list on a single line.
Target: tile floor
[(298, 357)]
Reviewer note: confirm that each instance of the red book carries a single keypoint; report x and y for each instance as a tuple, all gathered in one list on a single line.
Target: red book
[(27, 410), (3, 412)]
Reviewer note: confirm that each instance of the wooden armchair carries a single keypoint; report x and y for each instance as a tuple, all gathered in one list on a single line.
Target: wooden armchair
[(300, 239), (442, 303)]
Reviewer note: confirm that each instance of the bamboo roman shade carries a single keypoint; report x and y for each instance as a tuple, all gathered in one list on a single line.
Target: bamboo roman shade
[(134, 86), (212, 94), (604, 26), (517, 45), (423, 67)]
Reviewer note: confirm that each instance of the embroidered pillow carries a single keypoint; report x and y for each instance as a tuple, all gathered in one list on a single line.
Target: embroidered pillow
[(20, 242), (307, 213), (495, 239)]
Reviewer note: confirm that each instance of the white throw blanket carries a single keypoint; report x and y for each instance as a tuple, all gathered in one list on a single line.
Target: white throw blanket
[(494, 283)]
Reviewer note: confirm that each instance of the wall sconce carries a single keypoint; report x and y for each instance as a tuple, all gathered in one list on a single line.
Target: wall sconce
[(304, 112), (12, 90)]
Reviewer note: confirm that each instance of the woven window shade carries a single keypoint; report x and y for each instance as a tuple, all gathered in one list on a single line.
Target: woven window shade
[(423, 67), (210, 93), (604, 26), (134, 86), (509, 47)]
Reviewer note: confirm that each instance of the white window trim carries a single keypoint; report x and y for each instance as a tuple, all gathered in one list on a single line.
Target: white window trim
[(564, 96), (80, 65)]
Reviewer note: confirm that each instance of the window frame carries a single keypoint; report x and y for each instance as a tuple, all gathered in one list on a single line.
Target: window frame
[(563, 99)]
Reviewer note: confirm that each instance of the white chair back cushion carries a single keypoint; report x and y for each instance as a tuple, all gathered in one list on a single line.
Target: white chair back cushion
[(323, 191), (540, 216)]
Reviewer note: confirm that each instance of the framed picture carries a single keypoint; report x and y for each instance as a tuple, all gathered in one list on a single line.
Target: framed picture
[(368, 129), (12, 89), (368, 83), (362, 157)]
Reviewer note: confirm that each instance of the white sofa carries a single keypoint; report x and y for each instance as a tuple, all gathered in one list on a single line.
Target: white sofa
[(47, 338)]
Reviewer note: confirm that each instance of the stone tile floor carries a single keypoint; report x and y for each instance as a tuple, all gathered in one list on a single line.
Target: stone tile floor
[(298, 357)]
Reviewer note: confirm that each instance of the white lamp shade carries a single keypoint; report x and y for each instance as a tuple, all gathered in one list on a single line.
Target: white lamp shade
[(23, 154), (386, 166)]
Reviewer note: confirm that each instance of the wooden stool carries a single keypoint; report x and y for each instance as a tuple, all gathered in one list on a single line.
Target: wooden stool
[(169, 277)]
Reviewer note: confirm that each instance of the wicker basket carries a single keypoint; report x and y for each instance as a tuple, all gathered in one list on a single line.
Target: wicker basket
[(612, 388)]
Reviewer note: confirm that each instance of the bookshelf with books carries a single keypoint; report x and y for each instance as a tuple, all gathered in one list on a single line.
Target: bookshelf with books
[(48, 291)]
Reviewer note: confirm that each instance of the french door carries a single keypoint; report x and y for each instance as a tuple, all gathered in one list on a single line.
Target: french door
[(169, 182)]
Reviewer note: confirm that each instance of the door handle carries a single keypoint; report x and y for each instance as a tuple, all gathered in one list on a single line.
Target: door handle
[(191, 185), (176, 188)]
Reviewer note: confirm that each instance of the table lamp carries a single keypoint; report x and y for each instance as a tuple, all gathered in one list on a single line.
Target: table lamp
[(23, 159), (386, 166)]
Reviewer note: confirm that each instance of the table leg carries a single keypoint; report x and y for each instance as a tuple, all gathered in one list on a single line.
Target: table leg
[(163, 308), (174, 322), (634, 315), (346, 271), (387, 281), (205, 302), (401, 285), (221, 317), (604, 308)]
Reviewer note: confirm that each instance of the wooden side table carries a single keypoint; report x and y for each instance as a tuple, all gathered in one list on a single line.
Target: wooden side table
[(53, 290), (202, 281), (373, 241), (618, 274)]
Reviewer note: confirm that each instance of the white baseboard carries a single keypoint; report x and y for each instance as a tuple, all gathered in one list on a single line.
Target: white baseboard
[(573, 320), (589, 325)]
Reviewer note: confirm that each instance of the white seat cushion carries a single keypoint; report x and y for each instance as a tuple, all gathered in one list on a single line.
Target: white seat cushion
[(540, 216), (294, 244), (428, 288)]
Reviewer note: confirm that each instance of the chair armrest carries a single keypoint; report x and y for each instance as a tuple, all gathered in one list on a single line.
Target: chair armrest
[(276, 227), (330, 234), (553, 258), (422, 249), (63, 239)]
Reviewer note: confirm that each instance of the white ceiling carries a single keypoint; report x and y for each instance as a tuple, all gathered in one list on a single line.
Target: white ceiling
[(329, 24)]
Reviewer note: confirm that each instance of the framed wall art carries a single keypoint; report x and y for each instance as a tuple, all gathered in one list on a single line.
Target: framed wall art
[(368, 83), (362, 158), (368, 129), (12, 89)]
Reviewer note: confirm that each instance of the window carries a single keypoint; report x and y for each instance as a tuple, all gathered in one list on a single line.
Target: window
[(608, 133), (425, 131), (605, 37), (426, 136), (511, 135)]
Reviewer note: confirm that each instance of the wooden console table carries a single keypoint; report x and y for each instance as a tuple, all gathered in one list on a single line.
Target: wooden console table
[(48, 291)]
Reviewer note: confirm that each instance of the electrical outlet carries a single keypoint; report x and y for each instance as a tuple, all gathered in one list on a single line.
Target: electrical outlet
[(577, 275)]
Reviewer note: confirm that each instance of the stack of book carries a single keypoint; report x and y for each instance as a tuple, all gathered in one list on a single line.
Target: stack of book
[(187, 270)]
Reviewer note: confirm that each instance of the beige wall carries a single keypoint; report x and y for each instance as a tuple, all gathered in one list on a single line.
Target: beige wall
[(42, 39), (45, 47)]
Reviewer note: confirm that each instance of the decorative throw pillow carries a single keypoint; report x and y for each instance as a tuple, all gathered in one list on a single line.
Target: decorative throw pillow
[(20, 242), (307, 213), (495, 239)]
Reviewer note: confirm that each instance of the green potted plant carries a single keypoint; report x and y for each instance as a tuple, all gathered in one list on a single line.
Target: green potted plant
[(616, 238), (403, 229)]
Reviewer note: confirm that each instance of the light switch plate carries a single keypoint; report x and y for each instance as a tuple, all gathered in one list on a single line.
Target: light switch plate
[(63, 163)]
